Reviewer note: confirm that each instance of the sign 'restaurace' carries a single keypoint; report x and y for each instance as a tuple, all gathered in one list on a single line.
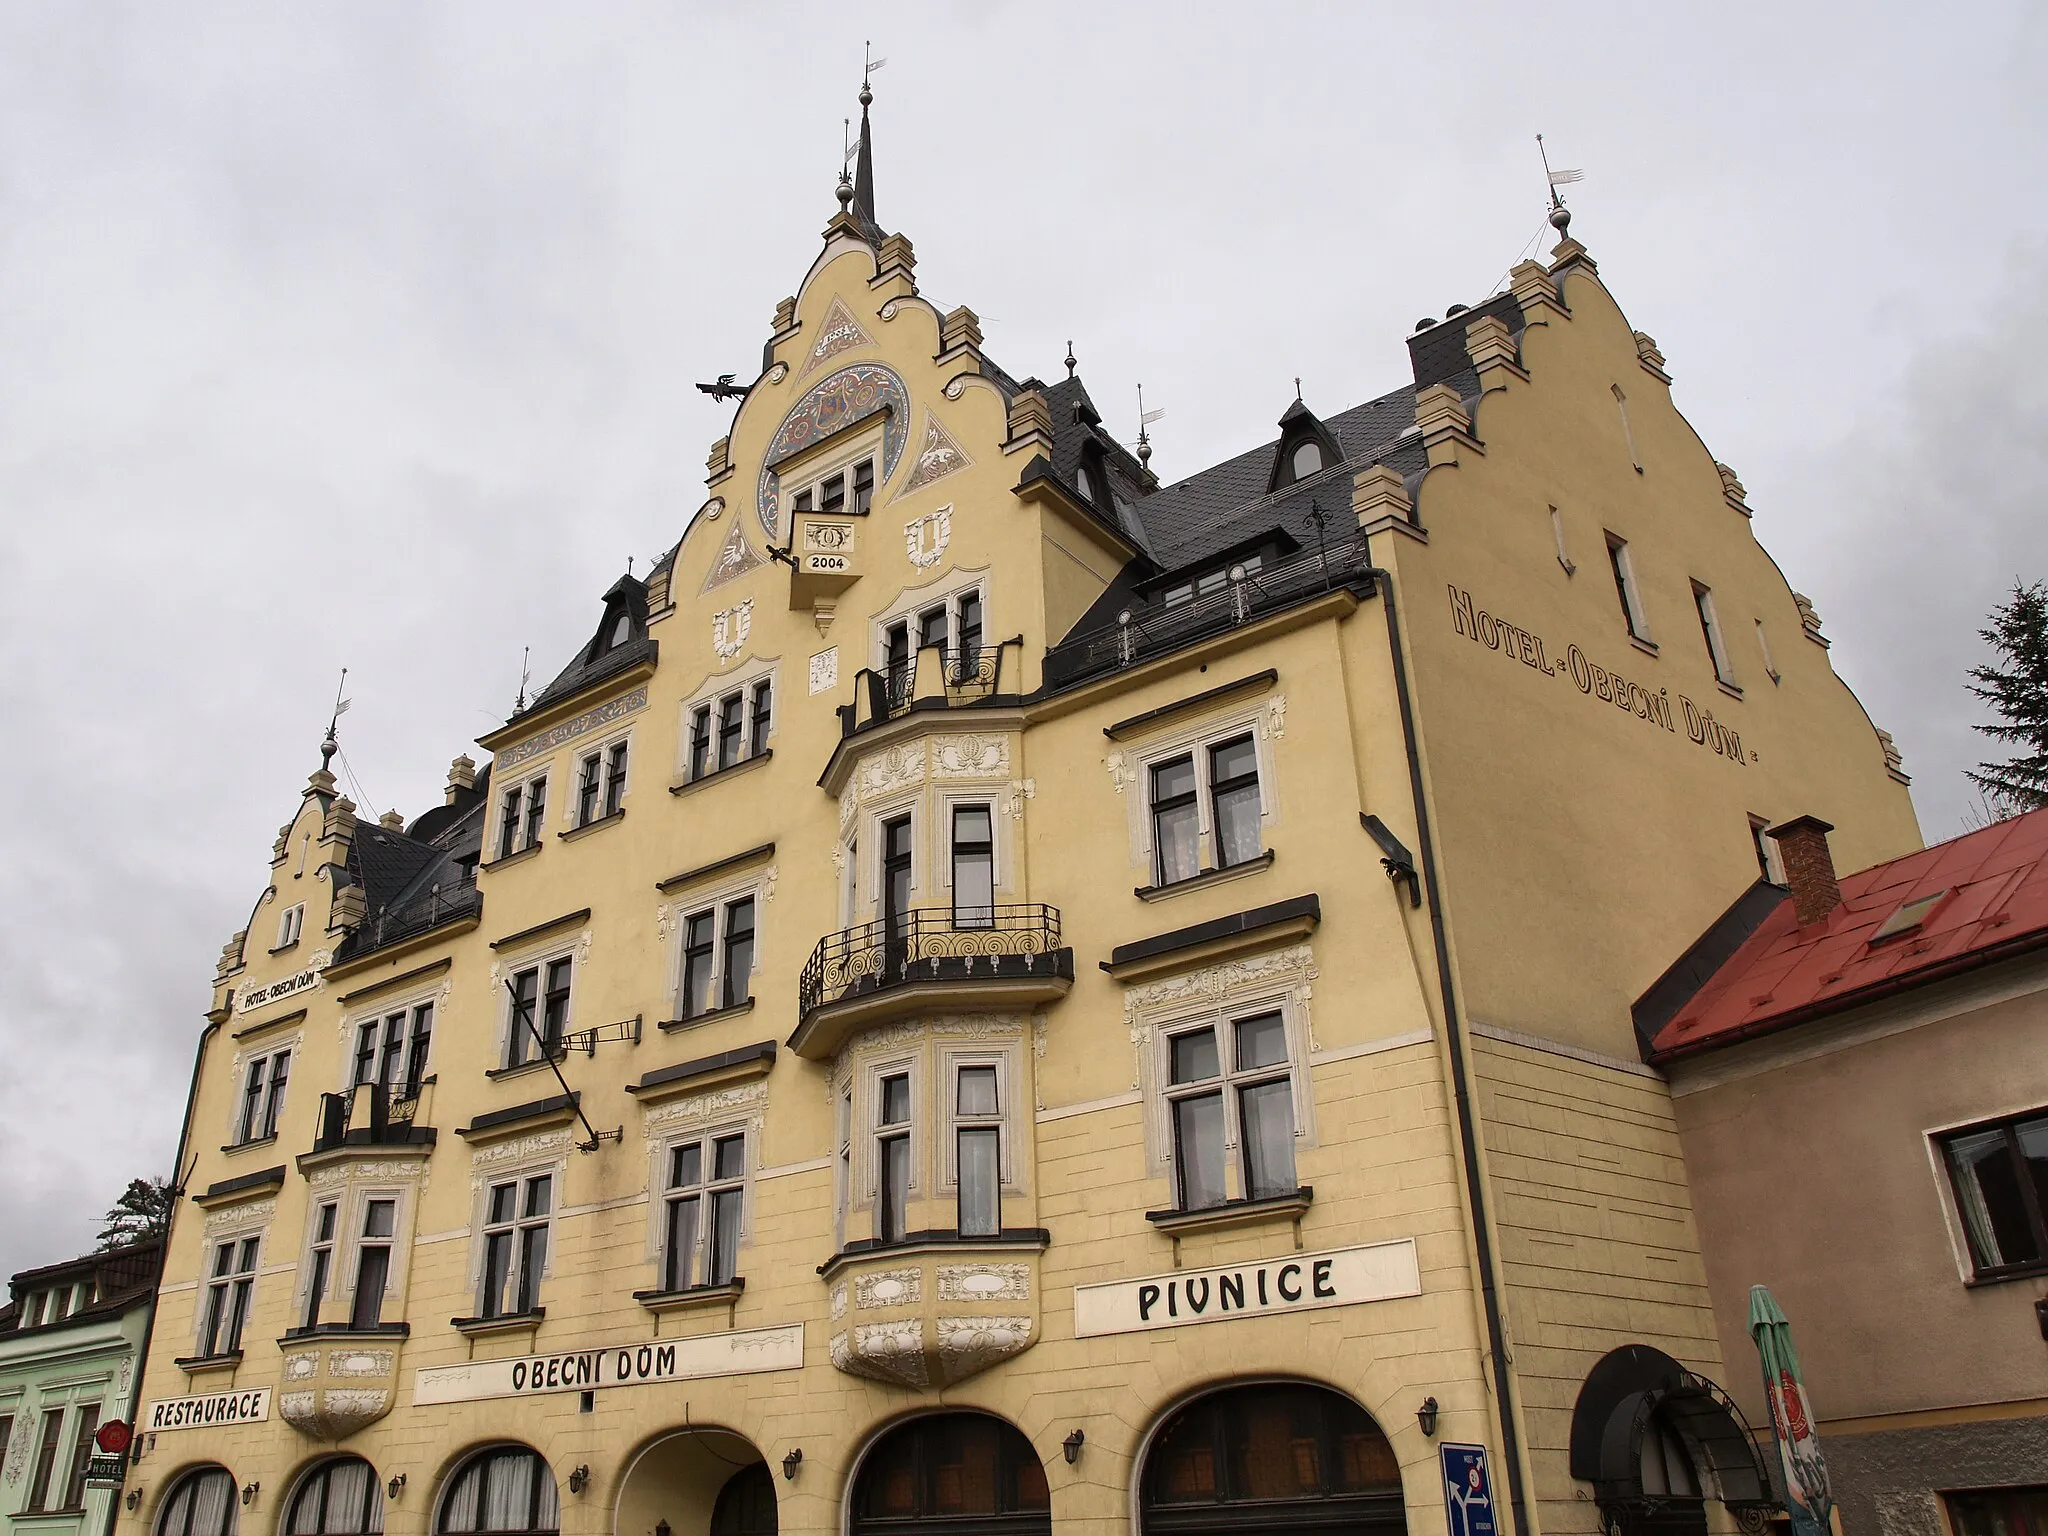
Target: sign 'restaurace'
[(615, 1365), (1303, 1282), (207, 1410)]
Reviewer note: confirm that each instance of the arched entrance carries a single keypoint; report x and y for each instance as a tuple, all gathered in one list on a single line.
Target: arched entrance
[(968, 1473), (1279, 1458), (337, 1498), (1656, 1442), (201, 1503), (697, 1480)]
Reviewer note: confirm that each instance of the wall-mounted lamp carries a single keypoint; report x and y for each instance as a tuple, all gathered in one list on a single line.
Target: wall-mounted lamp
[(396, 1486), (1426, 1416), (662, 1528), (134, 1500), (1072, 1446), (579, 1479), (249, 1492), (791, 1462)]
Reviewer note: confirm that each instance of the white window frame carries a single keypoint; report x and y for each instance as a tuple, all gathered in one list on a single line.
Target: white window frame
[(707, 1134), (841, 460), (1197, 740), (868, 881), (712, 695), (520, 1177), (1710, 629), (601, 750), (572, 948), (1228, 1082), (969, 799), (543, 774), (1005, 1121), (718, 901), (409, 1004), (352, 1238), (1633, 615), (911, 613), (248, 1232), (291, 922), (302, 1294), (867, 1155), (243, 1061)]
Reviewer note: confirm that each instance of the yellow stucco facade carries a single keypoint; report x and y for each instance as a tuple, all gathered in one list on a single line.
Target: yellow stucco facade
[(978, 962)]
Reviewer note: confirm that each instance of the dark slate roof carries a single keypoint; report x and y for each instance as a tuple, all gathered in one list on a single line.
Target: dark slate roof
[(597, 661), (1076, 429), (123, 1278), (412, 883)]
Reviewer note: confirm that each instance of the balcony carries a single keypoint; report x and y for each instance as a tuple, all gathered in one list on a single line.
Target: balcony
[(457, 901), (1001, 957), (934, 678), (1146, 631), (369, 1118)]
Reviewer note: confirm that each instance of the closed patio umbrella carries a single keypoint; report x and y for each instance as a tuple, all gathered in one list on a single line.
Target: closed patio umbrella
[(1808, 1498)]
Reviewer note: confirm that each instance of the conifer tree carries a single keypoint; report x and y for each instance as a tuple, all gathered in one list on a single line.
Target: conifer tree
[(2017, 690), (143, 1211)]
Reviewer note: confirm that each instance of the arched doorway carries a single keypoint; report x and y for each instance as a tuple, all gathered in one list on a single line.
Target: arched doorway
[(968, 1473), (1280, 1458), (693, 1481), (1657, 1441), (504, 1491), (337, 1498), (201, 1503)]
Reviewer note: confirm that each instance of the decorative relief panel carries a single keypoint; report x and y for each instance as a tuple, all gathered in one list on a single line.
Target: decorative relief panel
[(521, 1149), (888, 1352), (984, 1282), (970, 757), (1021, 790), (729, 628), (889, 1288), (938, 456), (382, 1173), (825, 671), (892, 769), (233, 1218), (1294, 966), (925, 538), (582, 725), (736, 557), (17, 1448), (838, 332), (836, 402), (970, 1344), (715, 1105)]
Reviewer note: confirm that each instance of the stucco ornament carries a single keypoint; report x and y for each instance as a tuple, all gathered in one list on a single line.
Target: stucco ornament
[(17, 1449), (925, 538), (970, 1344), (984, 1282), (938, 456), (891, 769), (825, 670), (892, 1352), (889, 1288), (729, 629), (835, 403), (736, 557), (838, 332), (971, 757)]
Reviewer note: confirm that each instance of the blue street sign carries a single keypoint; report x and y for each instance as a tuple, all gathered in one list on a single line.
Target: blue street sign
[(1468, 1490)]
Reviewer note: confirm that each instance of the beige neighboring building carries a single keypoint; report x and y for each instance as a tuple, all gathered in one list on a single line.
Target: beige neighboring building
[(1860, 1069), (999, 994)]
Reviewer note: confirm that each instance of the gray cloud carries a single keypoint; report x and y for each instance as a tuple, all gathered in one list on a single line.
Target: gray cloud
[(365, 336)]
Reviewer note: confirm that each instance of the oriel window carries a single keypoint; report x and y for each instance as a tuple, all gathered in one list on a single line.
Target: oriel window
[(832, 494), (320, 1261), (705, 1204), (978, 1147), (373, 1262), (974, 867), (516, 1245)]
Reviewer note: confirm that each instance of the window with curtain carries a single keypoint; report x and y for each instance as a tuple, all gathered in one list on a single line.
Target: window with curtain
[(337, 1498), (1231, 1085), (505, 1491), (1999, 1174), (202, 1504)]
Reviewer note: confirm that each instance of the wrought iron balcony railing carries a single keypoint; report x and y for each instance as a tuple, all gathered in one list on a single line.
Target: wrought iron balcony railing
[(953, 676), (931, 944), (1157, 628), (382, 1114)]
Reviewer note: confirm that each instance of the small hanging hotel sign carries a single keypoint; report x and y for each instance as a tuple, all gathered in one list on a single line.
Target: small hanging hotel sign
[(617, 1365), (1341, 1277), (206, 1411)]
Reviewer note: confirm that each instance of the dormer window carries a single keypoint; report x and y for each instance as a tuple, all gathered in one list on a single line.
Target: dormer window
[(622, 631), (1308, 459), (1306, 448), (1084, 482)]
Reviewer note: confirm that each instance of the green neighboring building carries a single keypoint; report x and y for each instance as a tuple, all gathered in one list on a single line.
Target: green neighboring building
[(69, 1342)]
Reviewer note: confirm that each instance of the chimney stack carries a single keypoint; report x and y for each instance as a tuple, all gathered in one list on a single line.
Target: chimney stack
[(461, 777), (1809, 867)]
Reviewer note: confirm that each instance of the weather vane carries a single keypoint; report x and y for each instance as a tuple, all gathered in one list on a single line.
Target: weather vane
[(1560, 216), (332, 743), (1145, 420)]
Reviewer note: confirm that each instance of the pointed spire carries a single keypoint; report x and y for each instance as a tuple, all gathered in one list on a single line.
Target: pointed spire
[(864, 166)]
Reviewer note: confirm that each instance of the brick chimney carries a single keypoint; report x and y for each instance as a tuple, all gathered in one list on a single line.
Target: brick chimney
[(1809, 867)]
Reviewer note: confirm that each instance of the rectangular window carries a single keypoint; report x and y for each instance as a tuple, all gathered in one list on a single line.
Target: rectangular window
[(1176, 826), (763, 717), (46, 1460), (373, 1263), (932, 627), (1625, 587), (700, 741), (508, 821), (321, 1260), (366, 1053), (273, 1100), (863, 487), (699, 960), (974, 867), (1710, 631), (978, 1138), (554, 1017), (263, 1097), (898, 669), (536, 811), (738, 959), (228, 1291), (1998, 1511), (1769, 864), (520, 1044), (844, 1170), (289, 925), (892, 1159), (391, 1062), (589, 780), (1234, 800), (85, 1422), (1231, 1086), (803, 501), (516, 1245), (615, 778), (1999, 1174), (832, 494), (706, 1198), (731, 728), (967, 637), (421, 1050)]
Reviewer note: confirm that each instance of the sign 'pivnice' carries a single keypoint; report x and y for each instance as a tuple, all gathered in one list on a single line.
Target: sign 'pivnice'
[(1594, 680)]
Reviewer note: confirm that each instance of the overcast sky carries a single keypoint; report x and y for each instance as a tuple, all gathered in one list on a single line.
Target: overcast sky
[(364, 335)]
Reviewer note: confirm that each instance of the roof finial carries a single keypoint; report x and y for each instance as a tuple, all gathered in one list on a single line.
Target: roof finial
[(1072, 364), (844, 191), (1560, 216), (1145, 420), (1297, 389), (864, 170), (332, 743), (629, 565), (519, 704)]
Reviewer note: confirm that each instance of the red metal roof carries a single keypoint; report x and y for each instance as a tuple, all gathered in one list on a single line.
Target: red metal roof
[(1995, 882)]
